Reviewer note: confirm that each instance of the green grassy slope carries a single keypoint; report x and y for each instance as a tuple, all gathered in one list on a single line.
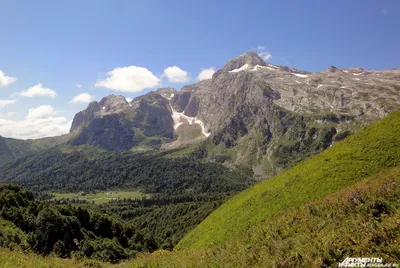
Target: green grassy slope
[(361, 220), (11, 149), (360, 155)]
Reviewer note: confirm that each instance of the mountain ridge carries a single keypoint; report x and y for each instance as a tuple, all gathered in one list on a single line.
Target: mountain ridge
[(261, 115)]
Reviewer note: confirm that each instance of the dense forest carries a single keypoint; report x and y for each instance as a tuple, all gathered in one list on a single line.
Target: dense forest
[(149, 172), (88, 231), (181, 192)]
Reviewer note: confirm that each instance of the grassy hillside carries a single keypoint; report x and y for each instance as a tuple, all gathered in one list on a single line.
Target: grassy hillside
[(367, 215), (361, 220), (363, 154), (18, 259)]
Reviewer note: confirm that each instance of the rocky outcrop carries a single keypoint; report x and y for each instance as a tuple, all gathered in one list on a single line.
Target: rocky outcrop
[(84, 117), (114, 124), (280, 115)]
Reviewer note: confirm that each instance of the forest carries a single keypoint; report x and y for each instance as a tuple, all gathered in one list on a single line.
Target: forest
[(180, 193)]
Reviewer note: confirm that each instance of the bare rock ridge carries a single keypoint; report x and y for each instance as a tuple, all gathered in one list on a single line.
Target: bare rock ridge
[(114, 124), (270, 114)]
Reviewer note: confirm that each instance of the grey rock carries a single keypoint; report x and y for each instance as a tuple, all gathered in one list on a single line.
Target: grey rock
[(262, 107)]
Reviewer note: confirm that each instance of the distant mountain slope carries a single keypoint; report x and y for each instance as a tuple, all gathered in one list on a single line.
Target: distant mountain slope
[(69, 169), (115, 124), (11, 149), (358, 156), (271, 117), (253, 113), (261, 115)]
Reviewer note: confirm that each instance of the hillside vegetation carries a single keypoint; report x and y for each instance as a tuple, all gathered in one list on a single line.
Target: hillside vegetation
[(361, 155), (11, 149), (367, 215), (362, 220)]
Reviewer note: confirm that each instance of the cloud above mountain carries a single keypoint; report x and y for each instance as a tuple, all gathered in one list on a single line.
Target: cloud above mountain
[(174, 74), (38, 91), (129, 79), (206, 74), (83, 98), (5, 80), (260, 50)]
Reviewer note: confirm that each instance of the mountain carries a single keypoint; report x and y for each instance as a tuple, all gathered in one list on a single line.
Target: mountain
[(115, 124), (260, 115), (273, 116), (249, 114)]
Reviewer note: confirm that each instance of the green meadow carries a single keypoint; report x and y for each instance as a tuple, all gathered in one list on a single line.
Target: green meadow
[(101, 197)]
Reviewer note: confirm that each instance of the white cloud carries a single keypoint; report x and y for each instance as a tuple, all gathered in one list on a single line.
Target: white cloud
[(5, 80), (43, 111), (175, 74), (7, 115), (260, 50), (4, 103), (129, 79), (82, 98), (206, 74), (40, 122), (38, 90), (78, 85)]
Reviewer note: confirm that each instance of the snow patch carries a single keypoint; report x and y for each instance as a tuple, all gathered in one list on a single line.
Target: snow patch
[(273, 66), (345, 71), (300, 75), (320, 85), (180, 118), (170, 97), (244, 67), (298, 82), (357, 73), (129, 101), (342, 87), (104, 108), (262, 67)]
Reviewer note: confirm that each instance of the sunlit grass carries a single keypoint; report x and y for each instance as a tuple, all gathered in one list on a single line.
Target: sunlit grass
[(344, 164), (100, 198)]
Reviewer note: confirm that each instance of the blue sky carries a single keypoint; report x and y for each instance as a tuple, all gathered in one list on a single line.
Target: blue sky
[(61, 44)]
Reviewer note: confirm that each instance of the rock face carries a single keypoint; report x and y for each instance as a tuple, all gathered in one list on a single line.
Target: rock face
[(275, 116), (114, 124)]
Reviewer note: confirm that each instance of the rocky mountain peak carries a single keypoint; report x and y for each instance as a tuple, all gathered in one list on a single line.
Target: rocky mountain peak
[(244, 61), (167, 92), (333, 69), (113, 104), (85, 116), (113, 100)]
